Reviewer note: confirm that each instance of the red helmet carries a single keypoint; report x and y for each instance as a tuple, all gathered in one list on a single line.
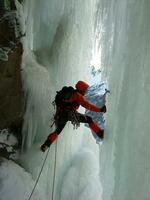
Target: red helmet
[(81, 86)]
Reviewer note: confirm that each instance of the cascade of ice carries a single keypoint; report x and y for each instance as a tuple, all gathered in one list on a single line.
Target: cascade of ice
[(124, 27), (57, 52)]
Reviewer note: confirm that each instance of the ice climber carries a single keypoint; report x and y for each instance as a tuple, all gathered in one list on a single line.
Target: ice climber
[(67, 102)]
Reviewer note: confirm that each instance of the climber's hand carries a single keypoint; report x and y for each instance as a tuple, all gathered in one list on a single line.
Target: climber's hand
[(103, 109)]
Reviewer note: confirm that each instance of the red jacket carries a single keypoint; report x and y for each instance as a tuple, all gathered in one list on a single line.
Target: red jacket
[(79, 99)]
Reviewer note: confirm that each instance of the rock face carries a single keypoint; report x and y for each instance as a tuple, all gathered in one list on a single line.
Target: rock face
[(11, 95)]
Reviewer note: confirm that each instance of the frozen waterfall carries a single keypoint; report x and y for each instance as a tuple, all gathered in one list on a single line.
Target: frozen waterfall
[(58, 49), (125, 46), (63, 37)]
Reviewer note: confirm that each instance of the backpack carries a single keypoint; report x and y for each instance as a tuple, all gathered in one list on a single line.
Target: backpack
[(62, 96)]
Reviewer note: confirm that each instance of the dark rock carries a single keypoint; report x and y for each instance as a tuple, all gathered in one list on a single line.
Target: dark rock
[(11, 95)]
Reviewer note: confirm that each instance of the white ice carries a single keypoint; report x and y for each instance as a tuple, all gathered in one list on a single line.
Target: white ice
[(59, 45), (125, 46)]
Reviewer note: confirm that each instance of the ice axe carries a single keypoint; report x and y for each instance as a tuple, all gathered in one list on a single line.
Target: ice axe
[(107, 91), (104, 96)]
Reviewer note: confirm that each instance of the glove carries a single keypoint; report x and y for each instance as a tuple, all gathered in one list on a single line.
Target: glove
[(103, 109)]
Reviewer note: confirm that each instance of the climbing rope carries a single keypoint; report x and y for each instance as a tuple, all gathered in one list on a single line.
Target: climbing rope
[(53, 187), (39, 175)]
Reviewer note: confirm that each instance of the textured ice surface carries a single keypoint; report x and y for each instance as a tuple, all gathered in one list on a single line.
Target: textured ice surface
[(96, 94)]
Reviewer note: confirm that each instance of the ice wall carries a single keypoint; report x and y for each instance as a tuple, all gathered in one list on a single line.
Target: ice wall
[(123, 28), (57, 52)]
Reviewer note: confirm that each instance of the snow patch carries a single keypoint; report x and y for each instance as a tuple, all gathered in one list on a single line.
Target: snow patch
[(18, 182), (7, 143), (7, 138)]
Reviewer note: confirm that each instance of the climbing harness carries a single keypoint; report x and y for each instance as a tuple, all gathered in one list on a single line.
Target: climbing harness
[(72, 115), (74, 119)]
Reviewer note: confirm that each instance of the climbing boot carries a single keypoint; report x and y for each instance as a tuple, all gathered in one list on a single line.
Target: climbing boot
[(45, 146), (100, 134)]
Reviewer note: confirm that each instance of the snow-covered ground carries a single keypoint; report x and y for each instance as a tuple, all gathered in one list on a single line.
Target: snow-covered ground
[(16, 183)]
